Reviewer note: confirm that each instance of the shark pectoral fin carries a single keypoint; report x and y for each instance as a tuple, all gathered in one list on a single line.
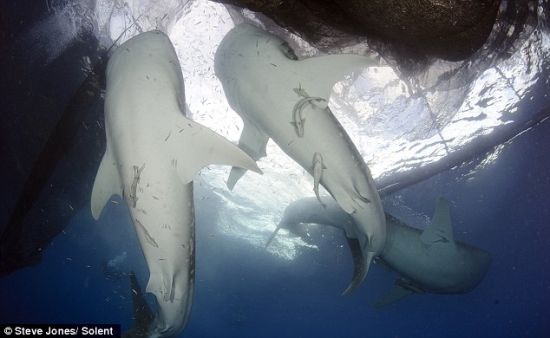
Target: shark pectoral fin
[(234, 176), (359, 268), (106, 184), (253, 142), (440, 229), (205, 147), (393, 296), (329, 69)]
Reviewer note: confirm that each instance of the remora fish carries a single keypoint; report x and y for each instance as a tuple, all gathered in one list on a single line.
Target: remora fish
[(280, 97), (153, 152)]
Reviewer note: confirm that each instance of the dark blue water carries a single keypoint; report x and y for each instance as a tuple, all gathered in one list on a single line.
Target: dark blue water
[(243, 291)]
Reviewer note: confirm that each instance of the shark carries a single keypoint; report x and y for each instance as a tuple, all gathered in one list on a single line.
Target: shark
[(153, 152), (143, 315), (427, 261), (286, 99)]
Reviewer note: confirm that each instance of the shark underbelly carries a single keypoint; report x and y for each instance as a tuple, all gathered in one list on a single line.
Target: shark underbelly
[(163, 216), (153, 152), (343, 172)]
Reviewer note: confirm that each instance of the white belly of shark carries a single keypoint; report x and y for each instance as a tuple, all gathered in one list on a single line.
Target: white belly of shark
[(285, 99), (153, 152)]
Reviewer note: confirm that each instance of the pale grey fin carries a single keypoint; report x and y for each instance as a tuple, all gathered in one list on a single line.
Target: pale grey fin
[(273, 236), (204, 147), (325, 71), (253, 142), (393, 296), (106, 184), (359, 267), (360, 272), (440, 230), (234, 176)]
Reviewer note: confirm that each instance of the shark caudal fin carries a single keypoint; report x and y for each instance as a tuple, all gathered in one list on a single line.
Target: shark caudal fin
[(359, 265), (361, 261), (206, 147), (143, 316), (253, 142), (440, 230), (272, 236), (106, 184)]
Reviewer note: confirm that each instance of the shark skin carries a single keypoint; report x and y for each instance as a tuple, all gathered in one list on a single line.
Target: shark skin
[(153, 152), (428, 260), (323, 210), (285, 99)]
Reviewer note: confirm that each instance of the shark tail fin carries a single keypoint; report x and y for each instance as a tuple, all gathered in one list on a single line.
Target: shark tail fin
[(106, 184), (206, 147), (143, 315), (272, 237), (253, 141), (361, 261)]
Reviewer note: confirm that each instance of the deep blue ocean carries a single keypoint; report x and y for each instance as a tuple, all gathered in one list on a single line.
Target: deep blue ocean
[(244, 291)]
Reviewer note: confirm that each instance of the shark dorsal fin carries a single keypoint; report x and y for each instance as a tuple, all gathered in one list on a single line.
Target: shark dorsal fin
[(440, 230)]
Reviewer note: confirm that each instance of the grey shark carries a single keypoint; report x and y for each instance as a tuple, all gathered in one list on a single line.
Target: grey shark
[(428, 260), (153, 152), (285, 99)]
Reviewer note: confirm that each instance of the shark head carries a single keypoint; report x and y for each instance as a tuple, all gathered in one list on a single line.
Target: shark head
[(249, 42)]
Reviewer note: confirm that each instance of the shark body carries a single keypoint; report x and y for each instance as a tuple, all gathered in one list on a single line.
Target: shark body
[(285, 99), (153, 152), (428, 260)]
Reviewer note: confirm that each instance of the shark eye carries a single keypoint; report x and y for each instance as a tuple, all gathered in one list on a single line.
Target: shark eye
[(287, 51)]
